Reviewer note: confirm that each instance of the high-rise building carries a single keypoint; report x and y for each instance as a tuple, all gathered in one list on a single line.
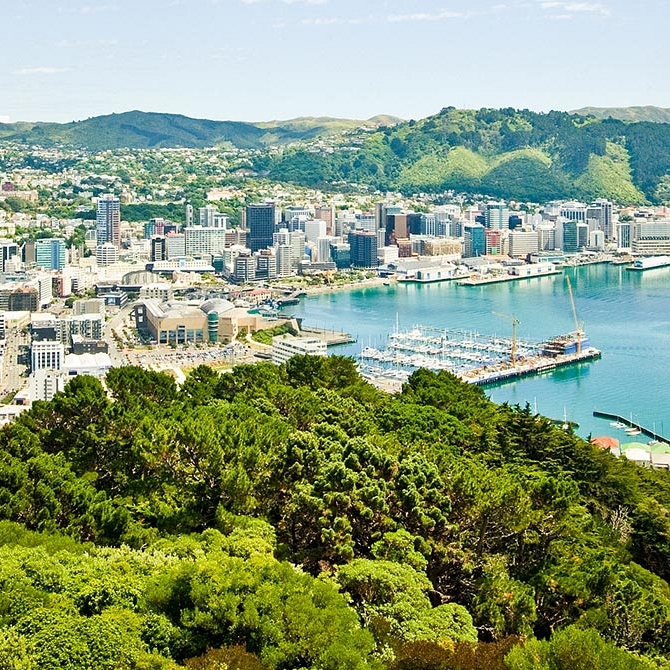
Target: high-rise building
[(48, 254), (623, 237), (474, 240), (363, 248), (600, 211), (200, 240), (188, 214), (496, 216), (260, 222), (108, 220)]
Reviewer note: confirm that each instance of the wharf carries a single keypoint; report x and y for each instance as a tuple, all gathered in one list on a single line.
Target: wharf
[(631, 424), (497, 279), (330, 337), (536, 365)]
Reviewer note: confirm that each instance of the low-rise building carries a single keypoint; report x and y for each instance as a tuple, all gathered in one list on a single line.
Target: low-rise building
[(286, 346)]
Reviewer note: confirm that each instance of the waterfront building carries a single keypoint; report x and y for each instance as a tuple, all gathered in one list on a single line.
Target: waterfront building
[(286, 346), (651, 238), (474, 239), (261, 224), (522, 243), (340, 254), (108, 220), (363, 248), (597, 240), (569, 237)]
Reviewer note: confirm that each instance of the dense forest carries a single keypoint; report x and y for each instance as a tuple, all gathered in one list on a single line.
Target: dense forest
[(296, 517), (507, 153)]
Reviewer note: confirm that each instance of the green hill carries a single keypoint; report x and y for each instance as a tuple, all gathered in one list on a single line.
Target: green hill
[(506, 153), (140, 130), (633, 114)]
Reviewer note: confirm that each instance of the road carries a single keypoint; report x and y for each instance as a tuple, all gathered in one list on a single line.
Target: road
[(115, 324)]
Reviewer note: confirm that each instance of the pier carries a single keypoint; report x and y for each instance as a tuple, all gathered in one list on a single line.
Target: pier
[(629, 423)]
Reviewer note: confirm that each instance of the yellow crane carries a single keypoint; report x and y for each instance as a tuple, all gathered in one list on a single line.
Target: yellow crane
[(515, 323), (579, 329)]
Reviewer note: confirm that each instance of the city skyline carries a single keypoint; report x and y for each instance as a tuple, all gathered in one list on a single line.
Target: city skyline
[(257, 60)]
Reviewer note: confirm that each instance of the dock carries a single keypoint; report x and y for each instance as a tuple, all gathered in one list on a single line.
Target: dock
[(631, 424)]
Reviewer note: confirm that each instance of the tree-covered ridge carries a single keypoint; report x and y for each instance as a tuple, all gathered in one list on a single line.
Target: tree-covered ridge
[(508, 153), (296, 517), (141, 130)]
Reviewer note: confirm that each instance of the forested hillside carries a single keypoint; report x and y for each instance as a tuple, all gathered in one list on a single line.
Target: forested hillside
[(504, 153), (295, 517)]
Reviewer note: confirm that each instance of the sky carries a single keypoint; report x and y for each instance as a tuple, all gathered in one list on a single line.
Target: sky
[(258, 60)]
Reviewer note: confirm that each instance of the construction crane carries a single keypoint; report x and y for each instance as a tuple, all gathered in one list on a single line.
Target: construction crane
[(515, 323), (579, 329)]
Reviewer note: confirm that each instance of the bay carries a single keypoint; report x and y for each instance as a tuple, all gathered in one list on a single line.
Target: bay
[(625, 314)]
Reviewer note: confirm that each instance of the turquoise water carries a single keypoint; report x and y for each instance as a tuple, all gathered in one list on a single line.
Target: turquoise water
[(625, 314)]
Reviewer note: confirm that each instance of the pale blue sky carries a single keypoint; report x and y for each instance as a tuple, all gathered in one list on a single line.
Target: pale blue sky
[(253, 60)]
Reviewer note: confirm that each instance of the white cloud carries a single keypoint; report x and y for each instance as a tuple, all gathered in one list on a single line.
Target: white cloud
[(320, 21), (567, 9), (4, 118), (424, 16), (305, 2), (42, 70)]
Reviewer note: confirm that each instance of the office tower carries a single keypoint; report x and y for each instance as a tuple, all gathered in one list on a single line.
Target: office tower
[(314, 229), (8, 249), (189, 214), (175, 245), (496, 216), (48, 254), (200, 240), (260, 222), (570, 237), (158, 249), (326, 213), (600, 212), (623, 235), (522, 243), (363, 248), (573, 211), (108, 220), (475, 240), (284, 268), (396, 227)]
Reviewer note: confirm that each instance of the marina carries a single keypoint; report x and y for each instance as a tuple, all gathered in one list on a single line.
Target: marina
[(474, 358)]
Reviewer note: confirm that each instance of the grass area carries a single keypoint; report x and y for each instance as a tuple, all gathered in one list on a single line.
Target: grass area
[(265, 336)]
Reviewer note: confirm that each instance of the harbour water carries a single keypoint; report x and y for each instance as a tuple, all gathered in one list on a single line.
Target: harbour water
[(625, 314)]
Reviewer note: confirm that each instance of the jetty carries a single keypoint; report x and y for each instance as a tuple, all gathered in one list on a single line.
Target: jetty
[(629, 423)]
